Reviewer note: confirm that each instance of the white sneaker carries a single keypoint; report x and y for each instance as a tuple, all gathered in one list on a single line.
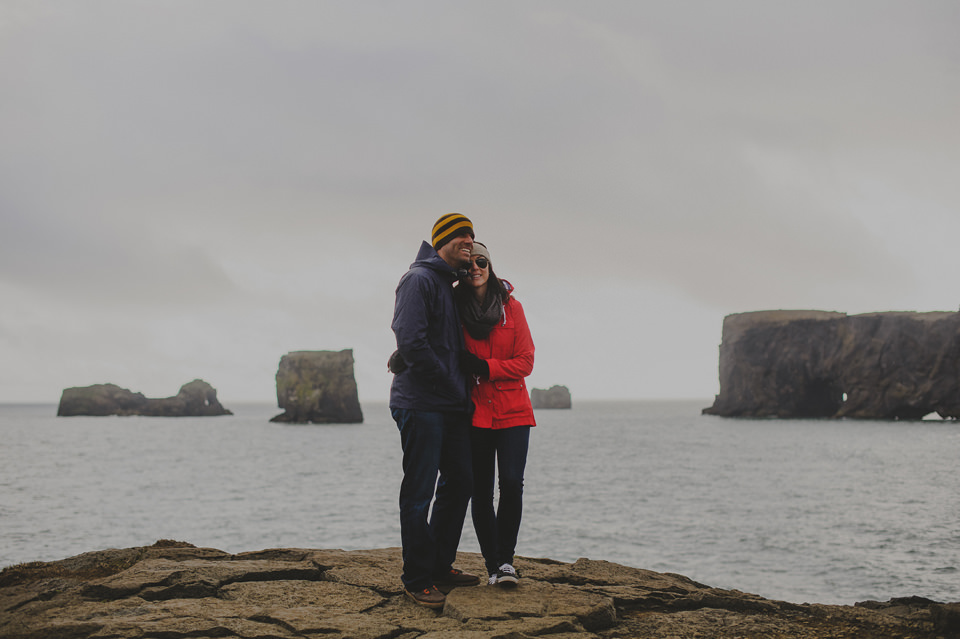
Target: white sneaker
[(492, 581), (506, 574)]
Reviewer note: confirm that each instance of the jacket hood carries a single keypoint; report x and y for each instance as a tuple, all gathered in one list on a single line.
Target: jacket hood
[(428, 257)]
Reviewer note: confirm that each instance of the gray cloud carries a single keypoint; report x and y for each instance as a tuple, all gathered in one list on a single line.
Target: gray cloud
[(240, 181)]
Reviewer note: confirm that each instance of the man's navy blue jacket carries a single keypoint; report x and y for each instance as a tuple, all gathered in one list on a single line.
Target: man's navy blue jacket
[(429, 338)]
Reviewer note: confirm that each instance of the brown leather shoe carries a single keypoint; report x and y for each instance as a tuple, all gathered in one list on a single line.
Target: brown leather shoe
[(456, 577), (429, 597)]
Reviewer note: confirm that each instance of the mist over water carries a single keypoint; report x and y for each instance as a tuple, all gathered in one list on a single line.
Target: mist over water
[(799, 510)]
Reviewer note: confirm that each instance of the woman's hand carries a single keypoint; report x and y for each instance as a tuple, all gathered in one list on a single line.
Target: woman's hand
[(473, 365)]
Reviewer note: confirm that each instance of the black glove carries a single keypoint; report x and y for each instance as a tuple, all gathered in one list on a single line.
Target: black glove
[(473, 365), (396, 364)]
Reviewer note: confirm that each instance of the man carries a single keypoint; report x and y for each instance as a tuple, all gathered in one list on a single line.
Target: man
[(430, 401)]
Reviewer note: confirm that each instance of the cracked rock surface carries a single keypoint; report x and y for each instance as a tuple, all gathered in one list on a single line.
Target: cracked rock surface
[(173, 589)]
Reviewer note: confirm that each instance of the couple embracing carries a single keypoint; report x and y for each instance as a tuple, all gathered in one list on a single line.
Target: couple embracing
[(462, 408)]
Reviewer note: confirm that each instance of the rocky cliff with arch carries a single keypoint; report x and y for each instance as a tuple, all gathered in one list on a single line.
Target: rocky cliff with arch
[(820, 364), (195, 399)]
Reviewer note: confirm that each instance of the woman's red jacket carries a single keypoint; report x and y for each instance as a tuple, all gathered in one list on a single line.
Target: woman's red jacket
[(502, 401)]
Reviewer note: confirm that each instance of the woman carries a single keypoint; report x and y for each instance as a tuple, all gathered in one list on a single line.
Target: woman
[(499, 355)]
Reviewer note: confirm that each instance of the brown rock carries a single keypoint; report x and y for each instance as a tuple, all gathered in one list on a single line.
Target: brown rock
[(173, 590)]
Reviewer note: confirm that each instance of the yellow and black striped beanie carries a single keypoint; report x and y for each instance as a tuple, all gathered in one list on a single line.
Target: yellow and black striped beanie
[(448, 227)]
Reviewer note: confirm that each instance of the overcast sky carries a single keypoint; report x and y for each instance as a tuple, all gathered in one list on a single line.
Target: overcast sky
[(193, 189)]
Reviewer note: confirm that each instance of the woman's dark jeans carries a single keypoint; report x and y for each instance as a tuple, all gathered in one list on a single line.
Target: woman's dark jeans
[(497, 531), (433, 442)]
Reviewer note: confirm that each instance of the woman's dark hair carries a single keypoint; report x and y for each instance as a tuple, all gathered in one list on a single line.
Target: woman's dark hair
[(495, 284)]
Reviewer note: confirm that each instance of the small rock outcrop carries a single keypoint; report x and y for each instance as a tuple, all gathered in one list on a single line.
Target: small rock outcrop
[(825, 364), (318, 387), (173, 589), (195, 399), (553, 397)]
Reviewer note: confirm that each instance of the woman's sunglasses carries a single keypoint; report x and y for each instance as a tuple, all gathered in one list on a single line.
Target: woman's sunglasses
[(481, 262)]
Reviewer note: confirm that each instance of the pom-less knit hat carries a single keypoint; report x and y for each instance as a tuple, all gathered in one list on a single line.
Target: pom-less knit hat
[(479, 248), (448, 227)]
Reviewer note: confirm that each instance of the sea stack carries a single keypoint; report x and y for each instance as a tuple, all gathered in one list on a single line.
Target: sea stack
[(318, 387), (553, 397)]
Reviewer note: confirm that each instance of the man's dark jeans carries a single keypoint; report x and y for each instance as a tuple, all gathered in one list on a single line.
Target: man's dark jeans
[(497, 531), (433, 442)]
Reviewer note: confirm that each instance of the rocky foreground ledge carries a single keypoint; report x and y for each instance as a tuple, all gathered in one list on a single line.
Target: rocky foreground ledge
[(173, 589)]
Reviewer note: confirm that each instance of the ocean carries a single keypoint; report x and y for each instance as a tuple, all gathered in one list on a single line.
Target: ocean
[(810, 511)]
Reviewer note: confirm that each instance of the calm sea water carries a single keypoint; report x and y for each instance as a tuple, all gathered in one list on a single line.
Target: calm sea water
[(801, 510)]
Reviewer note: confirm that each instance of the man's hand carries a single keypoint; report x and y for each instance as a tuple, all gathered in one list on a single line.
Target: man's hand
[(396, 364)]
